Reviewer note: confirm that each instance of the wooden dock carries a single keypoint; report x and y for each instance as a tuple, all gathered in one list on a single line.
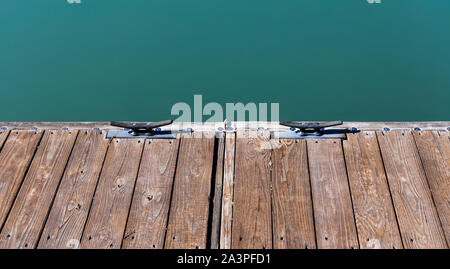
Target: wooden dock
[(64, 185)]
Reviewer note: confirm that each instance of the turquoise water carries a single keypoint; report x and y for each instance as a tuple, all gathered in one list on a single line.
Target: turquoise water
[(132, 60)]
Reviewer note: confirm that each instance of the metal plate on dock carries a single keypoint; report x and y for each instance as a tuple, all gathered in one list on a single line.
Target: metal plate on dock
[(128, 134), (298, 135)]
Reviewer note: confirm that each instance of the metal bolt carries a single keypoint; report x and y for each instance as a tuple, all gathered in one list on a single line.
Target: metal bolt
[(386, 129), (96, 128), (64, 128), (417, 129), (4, 128), (34, 128)]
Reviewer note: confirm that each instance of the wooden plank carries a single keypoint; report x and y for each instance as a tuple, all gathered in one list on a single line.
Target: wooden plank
[(239, 125), (293, 224), (434, 151), (218, 188), (29, 212), (366, 126), (227, 195), (147, 222), (374, 212), (3, 135), (109, 211), (416, 213), (197, 126), (188, 218), (15, 159), (252, 224), (64, 226), (333, 214)]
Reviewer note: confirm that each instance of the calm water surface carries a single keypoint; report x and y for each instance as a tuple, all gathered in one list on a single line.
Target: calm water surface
[(132, 60)]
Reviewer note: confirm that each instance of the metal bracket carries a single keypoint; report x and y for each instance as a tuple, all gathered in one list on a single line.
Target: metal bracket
[(315, 130), (144, 130), (228, 126)]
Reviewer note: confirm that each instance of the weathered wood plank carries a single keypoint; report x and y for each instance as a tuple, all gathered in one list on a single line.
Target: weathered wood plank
[(366, 126), (293, 224), (188, 218), (416, 213), (30, 209), (227, 195), (252, 224), (109, 210), (434, 151), (3, 135), (333, 213), (218, 188), (197, 126), (15, 159), (64, 226), (240, 125), (147, 221), (374, 212)]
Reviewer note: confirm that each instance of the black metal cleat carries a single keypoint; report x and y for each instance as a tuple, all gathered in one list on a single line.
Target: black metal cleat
[(302, 130), (310, 128), (142, 128)]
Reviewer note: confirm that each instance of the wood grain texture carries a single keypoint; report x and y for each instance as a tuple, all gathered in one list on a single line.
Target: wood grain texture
[(227, 195), (333, 214), (416, 213), (218, 188), (109, 211), (29, 212), (147, 222), (252, 224), (64, 226), (434, 151), (3, 135), (15, 159), (239, 125), (292, 212), (374, 212), (188, 218)]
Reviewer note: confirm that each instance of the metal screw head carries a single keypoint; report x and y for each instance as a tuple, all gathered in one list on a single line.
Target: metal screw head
[(4, 128), (64, 128), (386, 129), (34, 128), (260, 128), (96, 128), (416, 129)]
